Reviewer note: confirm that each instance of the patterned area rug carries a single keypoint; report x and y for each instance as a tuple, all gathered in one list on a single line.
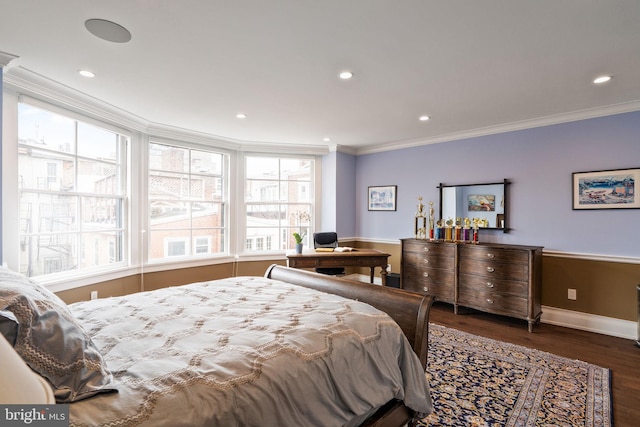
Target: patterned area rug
[(477, 381)]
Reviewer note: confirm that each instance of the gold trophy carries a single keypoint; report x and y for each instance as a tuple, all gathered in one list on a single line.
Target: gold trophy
[(431, 220), (420, 226)]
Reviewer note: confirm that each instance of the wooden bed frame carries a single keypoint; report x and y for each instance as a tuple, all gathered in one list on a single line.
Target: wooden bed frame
[(410, 310)]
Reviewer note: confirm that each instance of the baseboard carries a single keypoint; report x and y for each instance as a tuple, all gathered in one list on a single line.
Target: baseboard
[(590, 322), (567, 318)]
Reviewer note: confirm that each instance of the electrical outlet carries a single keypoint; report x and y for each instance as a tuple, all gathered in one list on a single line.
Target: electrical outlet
[(94, 294), (571, 294)]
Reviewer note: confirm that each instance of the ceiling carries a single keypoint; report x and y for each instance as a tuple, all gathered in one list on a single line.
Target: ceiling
[(474, 67)]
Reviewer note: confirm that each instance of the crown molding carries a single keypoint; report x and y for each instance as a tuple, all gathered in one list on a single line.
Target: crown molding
[(5, 59), (25, 82), (574, 116)]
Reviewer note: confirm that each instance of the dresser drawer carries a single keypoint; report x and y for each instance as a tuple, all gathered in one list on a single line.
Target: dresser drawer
[(472, 283), (428, 260), (428, 275), (442, 292), (494, 302), (494, 270), (494, 254), (424, 247)]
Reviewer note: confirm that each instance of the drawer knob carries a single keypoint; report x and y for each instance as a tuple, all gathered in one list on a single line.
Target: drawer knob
[(490, 255), (426, 261), (490, 285), (426, 249), (426, 289), (491, 269), (489, 300), (425, 274)]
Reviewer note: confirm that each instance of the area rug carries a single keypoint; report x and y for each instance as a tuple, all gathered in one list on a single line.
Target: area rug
[(477, 381)]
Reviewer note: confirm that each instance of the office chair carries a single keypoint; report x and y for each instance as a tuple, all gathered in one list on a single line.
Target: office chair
[(327, 239)]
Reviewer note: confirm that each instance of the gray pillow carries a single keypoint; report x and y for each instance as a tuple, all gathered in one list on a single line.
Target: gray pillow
[(50, 340)]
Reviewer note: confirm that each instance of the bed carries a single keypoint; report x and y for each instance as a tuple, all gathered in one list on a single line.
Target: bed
[(290, 348)]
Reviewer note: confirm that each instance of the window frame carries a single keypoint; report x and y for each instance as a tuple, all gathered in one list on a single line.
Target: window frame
[(283, 232), (226, 202), (121, 163)]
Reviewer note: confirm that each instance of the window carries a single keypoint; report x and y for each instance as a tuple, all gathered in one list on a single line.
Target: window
[(187, 201), (278, 201), (72, 186)]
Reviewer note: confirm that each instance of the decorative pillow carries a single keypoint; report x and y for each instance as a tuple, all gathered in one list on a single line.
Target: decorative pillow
[(50, 340)]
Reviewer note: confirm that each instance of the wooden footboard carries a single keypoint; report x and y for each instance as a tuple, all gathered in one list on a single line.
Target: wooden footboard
[(409, 310)]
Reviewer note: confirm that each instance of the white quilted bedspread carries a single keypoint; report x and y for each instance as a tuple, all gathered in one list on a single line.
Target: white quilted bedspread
[(245, 351)]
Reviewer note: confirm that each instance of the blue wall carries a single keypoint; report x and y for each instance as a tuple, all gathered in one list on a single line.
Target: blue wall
[(539, 162)]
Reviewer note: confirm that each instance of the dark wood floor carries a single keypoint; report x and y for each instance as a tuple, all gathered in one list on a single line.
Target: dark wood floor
[(619, 355)]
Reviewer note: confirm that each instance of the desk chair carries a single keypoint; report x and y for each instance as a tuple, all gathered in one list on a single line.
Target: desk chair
[(327, 239)]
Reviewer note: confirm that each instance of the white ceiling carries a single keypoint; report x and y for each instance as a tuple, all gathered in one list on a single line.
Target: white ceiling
[(474, 66)]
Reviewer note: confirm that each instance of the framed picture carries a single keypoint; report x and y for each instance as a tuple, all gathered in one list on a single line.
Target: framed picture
[(481, 202), (382, 198), (611, 189)]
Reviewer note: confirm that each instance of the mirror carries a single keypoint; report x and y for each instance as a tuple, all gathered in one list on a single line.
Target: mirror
[(487, 202)]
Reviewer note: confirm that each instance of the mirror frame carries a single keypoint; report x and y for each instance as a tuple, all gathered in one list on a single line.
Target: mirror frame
[(506, 183)]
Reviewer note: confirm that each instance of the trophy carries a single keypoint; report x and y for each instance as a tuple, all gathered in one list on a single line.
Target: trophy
[(476, 223), (420, 226), (458, 230), (431, 220), (466, 230), (448, 231)]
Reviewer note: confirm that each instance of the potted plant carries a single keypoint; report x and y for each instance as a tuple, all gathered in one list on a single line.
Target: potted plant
[(300, 217), (298, 238)]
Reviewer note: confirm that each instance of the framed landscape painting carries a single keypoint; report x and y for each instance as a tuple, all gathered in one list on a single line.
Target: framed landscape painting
[(382, 198), (611, 189)]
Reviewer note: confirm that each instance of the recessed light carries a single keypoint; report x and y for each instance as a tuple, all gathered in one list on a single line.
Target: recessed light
[(107, 30), (86, 73), (424, 118), (346, 75), (602, 79), (241, 116), (326, 139)]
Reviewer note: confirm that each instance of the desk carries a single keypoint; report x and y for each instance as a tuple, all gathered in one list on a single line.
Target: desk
[(357, 258)]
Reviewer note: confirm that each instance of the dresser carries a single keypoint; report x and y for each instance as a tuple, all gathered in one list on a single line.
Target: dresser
[(494, 278)]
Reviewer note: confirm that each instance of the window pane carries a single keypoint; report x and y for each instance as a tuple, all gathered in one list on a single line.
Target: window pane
[(42, 170), (165, 185), (44, 129), (296, 169), (169, 214), (48, 213), (206, 163), (48, 253), (101, 248), (206, 215), (263, 191), (98, 177), (98, 213), (168, 158), (262, 168), (97, 143)]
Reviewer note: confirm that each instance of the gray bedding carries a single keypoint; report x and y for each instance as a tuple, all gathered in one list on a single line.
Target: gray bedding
[(245, 351)]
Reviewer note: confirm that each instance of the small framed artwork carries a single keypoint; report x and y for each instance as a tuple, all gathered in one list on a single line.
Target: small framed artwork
[(610, 189), (482, 202), (382, 198)]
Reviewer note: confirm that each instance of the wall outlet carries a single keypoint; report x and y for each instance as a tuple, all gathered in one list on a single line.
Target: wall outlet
[(571, 294), (94, 294)]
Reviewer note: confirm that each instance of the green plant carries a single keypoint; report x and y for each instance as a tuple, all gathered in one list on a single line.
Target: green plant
[(298, 237)]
